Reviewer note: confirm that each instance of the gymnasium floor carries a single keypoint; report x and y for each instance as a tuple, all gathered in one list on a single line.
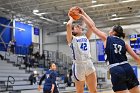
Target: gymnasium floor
[(99, 91), (103, 91)]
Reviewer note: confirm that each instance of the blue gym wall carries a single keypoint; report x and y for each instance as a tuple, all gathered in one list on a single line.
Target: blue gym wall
[(6, 36), (100, 51), (23, 38)]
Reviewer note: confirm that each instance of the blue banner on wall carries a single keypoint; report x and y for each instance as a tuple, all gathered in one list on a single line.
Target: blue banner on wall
[(5, 33), (135, 70), (135, 43), (23, 37), (36, 31), (100, 51)]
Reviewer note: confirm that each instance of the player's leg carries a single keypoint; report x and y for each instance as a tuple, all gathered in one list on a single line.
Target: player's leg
[(91, 81), (123, 91), (136, 89), (79, 86), (91, 78), (79, 77)]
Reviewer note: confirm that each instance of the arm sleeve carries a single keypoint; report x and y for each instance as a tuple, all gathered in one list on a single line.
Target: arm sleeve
[(42, 78)]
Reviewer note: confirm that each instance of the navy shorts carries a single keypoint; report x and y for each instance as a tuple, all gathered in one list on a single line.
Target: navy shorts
[(123, 77), (47, 89)]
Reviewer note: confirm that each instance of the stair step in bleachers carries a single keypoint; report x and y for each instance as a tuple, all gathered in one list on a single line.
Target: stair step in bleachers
[(61, 85), (68, 90), (16, 91), (8, 68), (14, 75), (3, 61), (21, 77), (16, 78), (2, 53), (32, 91), (12, 71), (3, 88), (2, 83), (6, 65), (12, 58), (17, 83), (25, 87)]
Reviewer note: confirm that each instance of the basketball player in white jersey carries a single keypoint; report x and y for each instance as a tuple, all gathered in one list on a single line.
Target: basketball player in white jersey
[(83, 68)]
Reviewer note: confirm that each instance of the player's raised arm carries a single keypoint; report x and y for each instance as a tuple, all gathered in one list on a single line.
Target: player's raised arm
[(100, 34), (89, 32), (69, 30), (93, 29), (132, 53)]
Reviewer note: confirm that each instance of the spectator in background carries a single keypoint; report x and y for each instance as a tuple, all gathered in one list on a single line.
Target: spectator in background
[(43, 59), (1, 57), (37, 55), (32, 61), (67, 80), (37, 58), (26, 61), (31, 47), (70, 76), (43, 56), (32, 78), (11, 46)]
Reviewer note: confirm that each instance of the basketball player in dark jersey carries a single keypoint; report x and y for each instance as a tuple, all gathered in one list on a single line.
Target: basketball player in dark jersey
[(50, 80), (122, 75)]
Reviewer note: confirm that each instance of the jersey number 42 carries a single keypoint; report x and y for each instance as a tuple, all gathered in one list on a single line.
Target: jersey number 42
[(83, 46)]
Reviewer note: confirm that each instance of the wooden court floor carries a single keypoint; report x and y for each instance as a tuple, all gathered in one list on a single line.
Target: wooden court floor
[(102, 91), (109, 91)]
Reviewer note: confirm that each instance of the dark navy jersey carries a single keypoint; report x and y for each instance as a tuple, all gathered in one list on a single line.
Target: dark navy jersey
[(50, 78), (115, 50)]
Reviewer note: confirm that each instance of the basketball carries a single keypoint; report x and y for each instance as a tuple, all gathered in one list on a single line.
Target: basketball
[(74, 12)]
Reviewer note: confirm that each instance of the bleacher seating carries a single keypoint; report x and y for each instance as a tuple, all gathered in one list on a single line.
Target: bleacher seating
[(9, 67)]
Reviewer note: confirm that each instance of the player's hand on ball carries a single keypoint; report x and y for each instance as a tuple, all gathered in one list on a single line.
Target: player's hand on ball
[(71, 18)]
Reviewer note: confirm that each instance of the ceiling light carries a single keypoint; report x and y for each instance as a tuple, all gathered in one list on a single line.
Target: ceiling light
[(35, 11), (42, 13), (94, 1), (42, 17), (113, 19), (99, 5), (128, 1), (137, 16), (119, 18), (114, 15)]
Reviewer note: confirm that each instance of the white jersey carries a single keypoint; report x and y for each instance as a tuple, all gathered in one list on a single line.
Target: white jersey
[(80, 48)]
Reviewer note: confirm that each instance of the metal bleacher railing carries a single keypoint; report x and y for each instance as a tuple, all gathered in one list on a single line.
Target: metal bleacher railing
[(12, 82), (63, 61)]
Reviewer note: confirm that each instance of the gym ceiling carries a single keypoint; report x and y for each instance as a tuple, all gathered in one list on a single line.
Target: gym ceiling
[(52, 14)]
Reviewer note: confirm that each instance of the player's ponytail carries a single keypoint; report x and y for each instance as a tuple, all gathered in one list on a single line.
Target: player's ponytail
[(119, 31), (123, 35)]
